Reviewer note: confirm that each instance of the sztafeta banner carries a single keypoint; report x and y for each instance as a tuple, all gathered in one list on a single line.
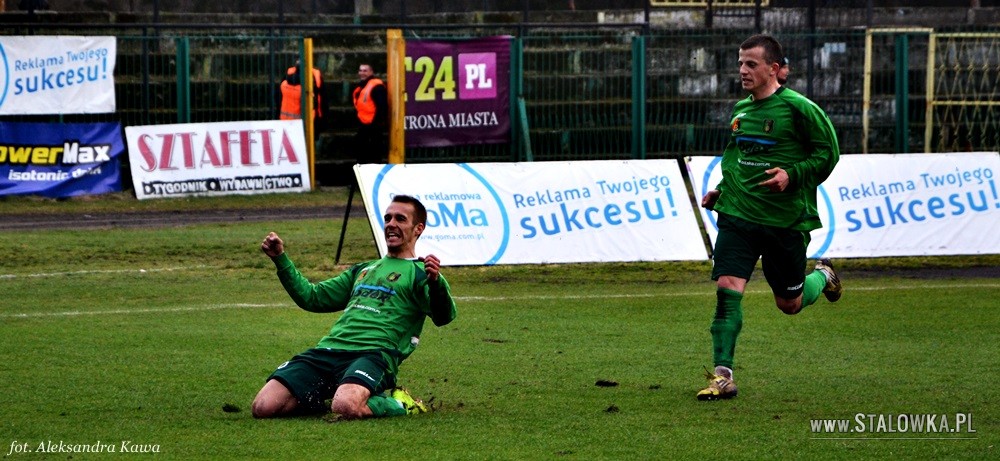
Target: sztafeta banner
[(896, 204), (224, 158), (542, 212), (57, 75)]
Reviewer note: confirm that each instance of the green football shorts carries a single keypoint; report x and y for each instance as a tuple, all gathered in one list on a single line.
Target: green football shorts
[(782, 253), (313, 376)]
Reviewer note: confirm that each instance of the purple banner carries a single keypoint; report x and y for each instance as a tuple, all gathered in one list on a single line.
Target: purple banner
[(60, 160), (457, 92)]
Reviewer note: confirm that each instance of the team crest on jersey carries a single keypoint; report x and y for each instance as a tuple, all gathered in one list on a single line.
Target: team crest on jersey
[(768, 125), (736, 121), (393, 276)]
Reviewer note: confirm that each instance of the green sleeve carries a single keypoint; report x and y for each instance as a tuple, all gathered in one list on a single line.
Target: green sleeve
[(327, 296), (442, 305), (821, 142), (722, 185)]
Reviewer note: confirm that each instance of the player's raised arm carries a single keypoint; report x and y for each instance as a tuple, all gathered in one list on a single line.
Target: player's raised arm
[(432, 265), (442, 305), (272, 246)]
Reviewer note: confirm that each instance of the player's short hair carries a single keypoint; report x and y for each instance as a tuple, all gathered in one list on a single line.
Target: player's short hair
[(420, 212), (772, 49)]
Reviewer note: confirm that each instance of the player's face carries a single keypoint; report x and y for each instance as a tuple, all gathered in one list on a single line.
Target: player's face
[(401, 229), (755, 72)]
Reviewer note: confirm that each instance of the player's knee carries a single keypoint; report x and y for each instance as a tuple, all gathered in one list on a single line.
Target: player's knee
[(272, 404), (346, 409), (789, 306), (261, 410)]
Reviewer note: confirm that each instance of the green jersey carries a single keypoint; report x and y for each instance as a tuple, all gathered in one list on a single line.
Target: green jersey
[(385, 302), (784, 130)]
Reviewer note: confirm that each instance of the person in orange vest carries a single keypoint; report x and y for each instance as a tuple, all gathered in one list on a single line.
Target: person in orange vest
[(783, 72), (291, 97), (371, 101)]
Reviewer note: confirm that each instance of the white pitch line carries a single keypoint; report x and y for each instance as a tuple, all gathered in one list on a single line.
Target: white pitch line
[(932, 287), (594, 296), (710, 292), (465, 298), (141, 311), (105, 271)]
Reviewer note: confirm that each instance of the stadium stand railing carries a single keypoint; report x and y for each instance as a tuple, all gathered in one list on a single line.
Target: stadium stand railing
[(576, 81)]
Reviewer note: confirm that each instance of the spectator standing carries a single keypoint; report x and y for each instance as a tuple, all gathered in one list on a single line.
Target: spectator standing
[(371, 101), (290, 91)]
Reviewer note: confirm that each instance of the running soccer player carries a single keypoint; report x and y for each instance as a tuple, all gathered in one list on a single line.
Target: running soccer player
[(781, 147)]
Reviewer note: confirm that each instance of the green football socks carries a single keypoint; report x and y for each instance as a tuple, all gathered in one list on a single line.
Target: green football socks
[(382, 405), (812, 288), (726, 326)]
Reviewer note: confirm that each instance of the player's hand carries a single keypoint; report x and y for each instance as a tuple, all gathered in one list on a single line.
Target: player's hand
[(708, 201), (432, 265), (778, 182), (272, 245)]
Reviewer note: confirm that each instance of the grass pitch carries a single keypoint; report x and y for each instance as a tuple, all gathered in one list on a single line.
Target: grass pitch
[(146, 339)]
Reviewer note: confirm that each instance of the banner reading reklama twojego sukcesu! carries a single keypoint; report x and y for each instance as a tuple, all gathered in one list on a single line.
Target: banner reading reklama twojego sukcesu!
[(57, 75), (457, 92), (226, 158), (542, 212), (896, 204), (60, 160)]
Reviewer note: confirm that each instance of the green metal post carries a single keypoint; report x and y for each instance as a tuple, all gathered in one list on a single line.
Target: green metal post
[(183, 80), (902, 94), (274, 70), (639, 97), (516, 90), (302, 76), (525, 134), (146, 96)]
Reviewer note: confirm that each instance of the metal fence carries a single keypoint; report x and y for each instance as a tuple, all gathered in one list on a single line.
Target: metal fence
[(589, 92)]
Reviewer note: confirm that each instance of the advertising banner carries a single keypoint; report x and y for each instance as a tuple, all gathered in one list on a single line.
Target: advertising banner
[(896, 204), (542, 212), (457, 92), (218, 158), (57, 75), (60, 160)]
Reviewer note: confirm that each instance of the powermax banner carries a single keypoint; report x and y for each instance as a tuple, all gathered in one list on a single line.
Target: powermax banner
[(225, 158), (542, 212), (457, 92), (57, 75), (896, 204), (60, 160)]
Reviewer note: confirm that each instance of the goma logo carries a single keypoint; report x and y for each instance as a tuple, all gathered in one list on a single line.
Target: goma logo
[(829, 223), (464, 212)]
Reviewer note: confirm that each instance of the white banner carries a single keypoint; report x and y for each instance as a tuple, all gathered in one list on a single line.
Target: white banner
[(57, 75), (542, 212), (896, 204), (218, 158)]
